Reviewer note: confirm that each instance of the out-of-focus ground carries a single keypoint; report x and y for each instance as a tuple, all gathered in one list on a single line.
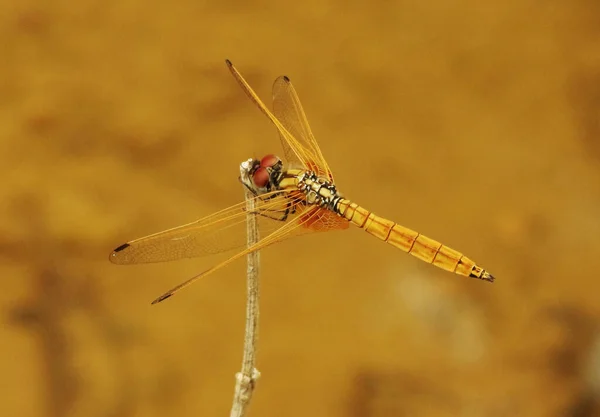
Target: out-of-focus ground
[(475, 124)]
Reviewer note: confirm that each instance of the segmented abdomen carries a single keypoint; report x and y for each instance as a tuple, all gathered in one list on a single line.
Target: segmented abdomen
[(409, 241)]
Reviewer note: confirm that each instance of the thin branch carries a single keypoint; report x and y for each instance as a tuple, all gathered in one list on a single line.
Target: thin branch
[(246, 378)]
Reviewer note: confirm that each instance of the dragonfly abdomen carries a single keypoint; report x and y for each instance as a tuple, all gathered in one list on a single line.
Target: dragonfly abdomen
[(414, 243)]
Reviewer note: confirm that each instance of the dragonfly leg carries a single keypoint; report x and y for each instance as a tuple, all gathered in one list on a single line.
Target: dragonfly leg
[(252, 190), (279, 219), (289, 209)]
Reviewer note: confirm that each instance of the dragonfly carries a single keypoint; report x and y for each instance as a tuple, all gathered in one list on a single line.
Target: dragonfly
[(289, 199)]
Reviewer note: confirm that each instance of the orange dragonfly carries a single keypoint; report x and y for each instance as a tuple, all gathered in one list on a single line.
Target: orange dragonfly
[(290, 200)]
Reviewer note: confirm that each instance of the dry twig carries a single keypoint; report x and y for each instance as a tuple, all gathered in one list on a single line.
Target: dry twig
[(246, 378)]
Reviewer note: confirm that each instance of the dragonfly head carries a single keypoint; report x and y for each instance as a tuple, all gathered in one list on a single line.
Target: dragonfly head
[(262, 175)]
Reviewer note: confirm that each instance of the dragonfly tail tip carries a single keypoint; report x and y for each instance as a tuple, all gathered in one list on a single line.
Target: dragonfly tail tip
[(487, 276), (228, 62)]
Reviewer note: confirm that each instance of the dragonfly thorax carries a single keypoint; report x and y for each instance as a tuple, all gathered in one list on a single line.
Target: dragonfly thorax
[(319, 191), (266, 175)]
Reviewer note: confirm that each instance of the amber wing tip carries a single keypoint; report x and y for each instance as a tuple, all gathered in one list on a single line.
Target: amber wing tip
[(286, 78), (162, 298), (114, 257), (120, 248)]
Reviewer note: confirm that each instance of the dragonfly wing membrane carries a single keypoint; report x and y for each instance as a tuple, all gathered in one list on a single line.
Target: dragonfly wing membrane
[(292, 228), (288, 109), (301, 148), (219, 232)]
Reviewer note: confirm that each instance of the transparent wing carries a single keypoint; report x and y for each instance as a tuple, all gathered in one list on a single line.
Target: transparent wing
[(219, 232), (288, 109), (296, 150), (310, 219), (281, 214), (323, 220)]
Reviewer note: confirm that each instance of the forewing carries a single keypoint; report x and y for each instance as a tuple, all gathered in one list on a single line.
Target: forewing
[(299, 153), (288, 109), (219, 232)]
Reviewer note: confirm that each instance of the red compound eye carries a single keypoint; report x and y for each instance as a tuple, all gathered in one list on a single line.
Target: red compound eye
[(261, 177), (269, 161)]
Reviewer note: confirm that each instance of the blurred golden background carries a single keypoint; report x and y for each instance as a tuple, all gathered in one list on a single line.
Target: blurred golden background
[(477, 125)]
